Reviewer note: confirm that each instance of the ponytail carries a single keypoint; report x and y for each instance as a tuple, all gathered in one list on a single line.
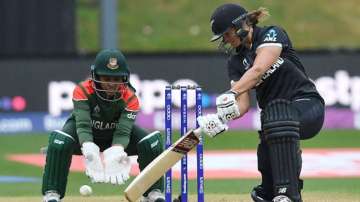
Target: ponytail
[(253, 17)]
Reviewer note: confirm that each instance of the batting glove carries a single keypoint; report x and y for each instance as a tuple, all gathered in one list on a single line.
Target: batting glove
[(211, 124), (93, 166), (117, 165), (227, 107)]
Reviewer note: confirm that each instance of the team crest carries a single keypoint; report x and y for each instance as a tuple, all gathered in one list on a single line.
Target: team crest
[(112, 63)]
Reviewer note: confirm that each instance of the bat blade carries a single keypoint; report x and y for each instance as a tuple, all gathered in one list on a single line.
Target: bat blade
[(161, 164)]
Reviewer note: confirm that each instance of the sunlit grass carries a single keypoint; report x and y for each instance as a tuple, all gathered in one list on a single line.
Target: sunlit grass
[(183, 25)]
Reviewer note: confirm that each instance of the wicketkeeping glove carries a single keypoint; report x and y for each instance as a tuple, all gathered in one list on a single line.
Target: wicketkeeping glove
[(93, 166), (117, 165), (227, 107), (211, 124)]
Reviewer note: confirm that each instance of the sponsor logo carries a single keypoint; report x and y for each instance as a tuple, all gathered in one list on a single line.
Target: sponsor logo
[(230, 116), (150, 92), (131, 116), (168, 112), (60, 96), (16, 103), (54, 122), (186, 144), (342, 88), (271, 35), (15, 125), (168, 183)]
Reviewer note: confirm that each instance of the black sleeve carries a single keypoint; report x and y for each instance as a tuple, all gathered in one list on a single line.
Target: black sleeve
[(235, 68), (275, 36)]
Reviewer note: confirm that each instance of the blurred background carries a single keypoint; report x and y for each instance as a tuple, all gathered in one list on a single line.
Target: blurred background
[(47, 46)]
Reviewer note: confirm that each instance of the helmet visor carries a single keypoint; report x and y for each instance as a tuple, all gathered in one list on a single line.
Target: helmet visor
[(110, 90), (215, 37)]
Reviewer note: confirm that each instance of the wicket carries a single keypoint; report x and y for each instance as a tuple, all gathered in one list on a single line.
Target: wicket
[(183, 130)]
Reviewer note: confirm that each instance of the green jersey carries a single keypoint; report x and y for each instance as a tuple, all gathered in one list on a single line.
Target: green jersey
[(103, 120)]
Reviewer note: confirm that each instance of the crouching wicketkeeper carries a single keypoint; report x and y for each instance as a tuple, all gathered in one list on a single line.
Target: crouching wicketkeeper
[(105, 109)]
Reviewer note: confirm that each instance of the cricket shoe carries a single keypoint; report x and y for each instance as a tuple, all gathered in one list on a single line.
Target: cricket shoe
[(154, 196), (51, 196), (258, 194), (281, 198)]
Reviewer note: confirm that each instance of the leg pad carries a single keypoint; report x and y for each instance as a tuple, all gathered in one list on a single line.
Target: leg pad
[(281, 130), (149, 148), (58, 160)]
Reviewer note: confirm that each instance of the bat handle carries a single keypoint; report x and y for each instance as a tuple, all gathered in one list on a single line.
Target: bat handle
[(197, 131)]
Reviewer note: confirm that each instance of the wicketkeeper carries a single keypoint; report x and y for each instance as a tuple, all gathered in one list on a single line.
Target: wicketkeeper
[(105, 109), (263, 58)]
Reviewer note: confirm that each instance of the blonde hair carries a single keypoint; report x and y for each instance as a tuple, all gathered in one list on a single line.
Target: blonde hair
[(255, 16)]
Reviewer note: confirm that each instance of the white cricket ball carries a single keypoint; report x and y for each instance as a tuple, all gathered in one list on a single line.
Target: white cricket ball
[(85, 190)]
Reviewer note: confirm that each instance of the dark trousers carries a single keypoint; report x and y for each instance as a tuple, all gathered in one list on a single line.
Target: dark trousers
[(311, 114)]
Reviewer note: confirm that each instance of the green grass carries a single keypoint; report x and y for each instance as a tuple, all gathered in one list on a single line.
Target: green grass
[(228, 141), (249, 140), (310, 24)]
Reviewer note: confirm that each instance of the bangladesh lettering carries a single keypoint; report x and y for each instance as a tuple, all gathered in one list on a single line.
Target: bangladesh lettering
[(101, 125)]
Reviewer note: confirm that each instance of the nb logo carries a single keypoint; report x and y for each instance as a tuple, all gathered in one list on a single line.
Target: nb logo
[(282, 190)]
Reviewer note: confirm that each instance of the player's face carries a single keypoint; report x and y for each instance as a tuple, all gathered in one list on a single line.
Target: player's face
[(111, 84), (231, 38)]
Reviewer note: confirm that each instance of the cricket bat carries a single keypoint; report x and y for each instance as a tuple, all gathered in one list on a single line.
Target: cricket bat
[(158, 167)]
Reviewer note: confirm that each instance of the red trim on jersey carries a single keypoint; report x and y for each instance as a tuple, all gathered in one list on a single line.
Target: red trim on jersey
[(88, 85), (131, 100), (79, 94)]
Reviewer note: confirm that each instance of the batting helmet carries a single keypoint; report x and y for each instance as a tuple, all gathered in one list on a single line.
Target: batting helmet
[(226, 16), (112, 63)]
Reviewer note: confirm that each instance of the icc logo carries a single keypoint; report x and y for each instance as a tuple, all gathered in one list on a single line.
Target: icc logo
[(246, 64)]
